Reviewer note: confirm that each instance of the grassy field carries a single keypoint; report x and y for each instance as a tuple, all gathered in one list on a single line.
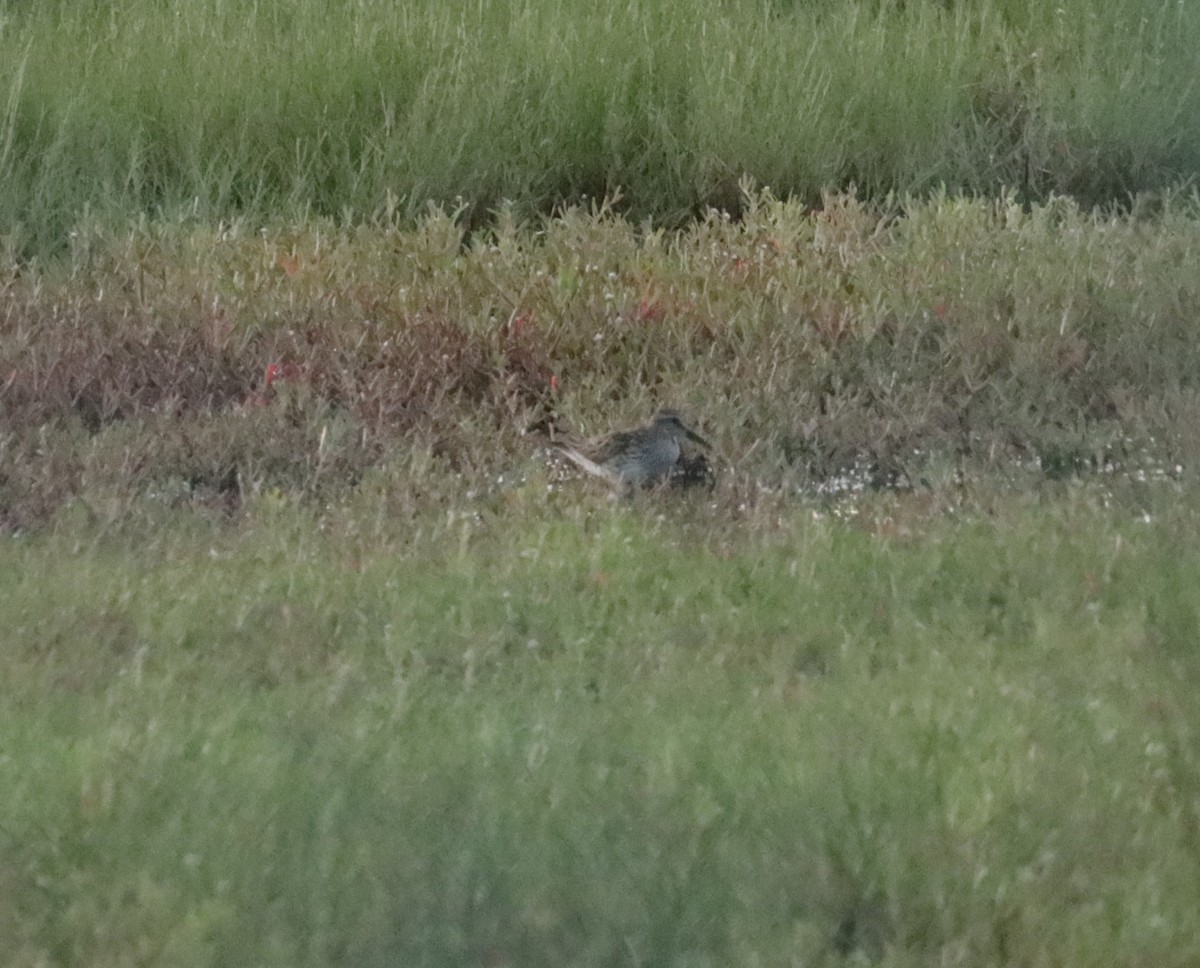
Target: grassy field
[(576, 733), (920, 343), (307, 659), (370, 109)]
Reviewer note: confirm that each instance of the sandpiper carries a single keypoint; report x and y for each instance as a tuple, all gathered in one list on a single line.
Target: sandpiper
[(641, 457)]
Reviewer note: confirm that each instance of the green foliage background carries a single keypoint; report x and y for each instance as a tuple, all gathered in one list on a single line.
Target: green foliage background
[(355, 109)]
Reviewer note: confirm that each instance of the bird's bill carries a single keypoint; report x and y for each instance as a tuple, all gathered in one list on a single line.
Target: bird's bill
[(692, 435)]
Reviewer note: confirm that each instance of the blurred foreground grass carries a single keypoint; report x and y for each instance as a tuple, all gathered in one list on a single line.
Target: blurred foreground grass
[(597, 734)]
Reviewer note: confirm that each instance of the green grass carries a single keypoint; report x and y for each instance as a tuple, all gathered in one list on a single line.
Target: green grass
[(639, 734), (358, 110)]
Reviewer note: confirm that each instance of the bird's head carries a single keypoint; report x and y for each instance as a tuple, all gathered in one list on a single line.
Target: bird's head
[(672, 421)]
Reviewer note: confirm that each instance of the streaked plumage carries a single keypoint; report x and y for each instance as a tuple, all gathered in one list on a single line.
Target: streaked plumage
[(641, 457)]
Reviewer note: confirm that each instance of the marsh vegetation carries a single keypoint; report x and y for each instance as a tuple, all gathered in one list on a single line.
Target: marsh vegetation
[(308, 658)]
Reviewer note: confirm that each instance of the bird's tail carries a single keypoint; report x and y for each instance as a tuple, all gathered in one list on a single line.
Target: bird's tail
[(576, 458)]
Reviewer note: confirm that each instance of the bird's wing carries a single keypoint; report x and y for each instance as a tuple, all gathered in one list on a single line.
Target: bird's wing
[(606, 448)]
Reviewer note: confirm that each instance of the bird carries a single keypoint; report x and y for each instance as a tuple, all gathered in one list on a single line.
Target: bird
[(642, 457)]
